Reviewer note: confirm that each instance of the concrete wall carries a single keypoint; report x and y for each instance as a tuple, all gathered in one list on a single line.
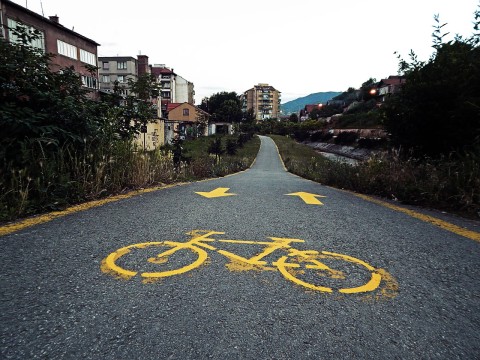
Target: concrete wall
[(153, 138)]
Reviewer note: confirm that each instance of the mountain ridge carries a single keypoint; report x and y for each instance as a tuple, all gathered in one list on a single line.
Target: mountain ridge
[(296, 105)]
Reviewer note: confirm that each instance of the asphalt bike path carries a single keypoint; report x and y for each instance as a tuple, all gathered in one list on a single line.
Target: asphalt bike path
[(272, 266)]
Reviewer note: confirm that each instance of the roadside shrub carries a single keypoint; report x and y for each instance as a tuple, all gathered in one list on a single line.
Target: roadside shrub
[(231, 146), (316, 136), (201, 167), (301, 135), (216, 147), (372, 143), (450, 183), (346, 138), (371, 119), (320, 136)]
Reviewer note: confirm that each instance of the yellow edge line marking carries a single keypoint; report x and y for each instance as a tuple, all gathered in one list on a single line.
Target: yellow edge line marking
[(469, 234), (23, 224), (20, 225), (473, 235)]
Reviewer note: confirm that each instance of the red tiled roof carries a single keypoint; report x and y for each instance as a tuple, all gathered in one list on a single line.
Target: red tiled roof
[(393, 80), (309, 108), (157, 71), (172, 106)]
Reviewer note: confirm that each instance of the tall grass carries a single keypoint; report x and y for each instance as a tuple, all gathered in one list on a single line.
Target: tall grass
[(55, 179), (451, 183)]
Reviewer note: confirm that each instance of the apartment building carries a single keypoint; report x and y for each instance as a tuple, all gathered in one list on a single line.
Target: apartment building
[(70, 48), (184, 90), (264, 100), (117, 68), (174, 88), (121, 69)]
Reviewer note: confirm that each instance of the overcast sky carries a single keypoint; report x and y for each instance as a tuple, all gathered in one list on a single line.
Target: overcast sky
[(297, 46)]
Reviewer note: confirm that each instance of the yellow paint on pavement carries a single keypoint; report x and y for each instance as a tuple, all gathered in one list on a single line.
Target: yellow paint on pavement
[(473, 235), (293, 266), (219, 192), (282, 267), (372, 284), (308, 198)]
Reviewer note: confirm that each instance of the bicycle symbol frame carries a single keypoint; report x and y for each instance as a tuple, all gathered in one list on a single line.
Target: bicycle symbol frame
[(288, 265)]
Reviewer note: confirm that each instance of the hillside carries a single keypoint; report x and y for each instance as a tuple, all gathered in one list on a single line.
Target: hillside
[(316, 98)]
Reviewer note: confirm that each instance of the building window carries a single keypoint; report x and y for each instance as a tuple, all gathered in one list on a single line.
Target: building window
[(67, 49), (38, 42), (89, 82), (121, 65), (88, 57), (186, 112), (165, 94), (105, 78), (105, 65), (121, 78)]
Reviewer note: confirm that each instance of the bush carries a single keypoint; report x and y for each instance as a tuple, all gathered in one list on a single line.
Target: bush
[(320, 136), (231, 146), (371, 119), (301, 135), (346, 138), (316, 136), (215, 147), (372, 143), (450, 183)]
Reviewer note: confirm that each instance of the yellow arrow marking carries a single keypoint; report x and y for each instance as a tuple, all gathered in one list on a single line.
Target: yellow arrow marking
[(219, 192), (309, 198)]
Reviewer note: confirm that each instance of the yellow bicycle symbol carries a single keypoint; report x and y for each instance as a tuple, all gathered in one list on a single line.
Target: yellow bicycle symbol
[(293, 266)]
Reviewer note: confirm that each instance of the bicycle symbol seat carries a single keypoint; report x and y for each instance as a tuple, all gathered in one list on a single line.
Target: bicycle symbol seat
[(307, 268)]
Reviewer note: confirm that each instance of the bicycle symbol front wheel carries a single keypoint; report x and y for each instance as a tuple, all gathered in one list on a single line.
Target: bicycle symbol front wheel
[(345, 274), (141, 260)]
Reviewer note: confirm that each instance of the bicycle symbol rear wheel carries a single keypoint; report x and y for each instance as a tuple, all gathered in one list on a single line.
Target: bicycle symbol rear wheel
[(115, 265)]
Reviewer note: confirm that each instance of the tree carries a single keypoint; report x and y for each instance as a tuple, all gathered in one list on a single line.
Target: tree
[(139, 109), (438, 109), (223, 106), (247, 124), (366, 89), (229, 111), (202, 122), (38, 106), (231, 146), (216, 148), (293, 118), (215, 101)]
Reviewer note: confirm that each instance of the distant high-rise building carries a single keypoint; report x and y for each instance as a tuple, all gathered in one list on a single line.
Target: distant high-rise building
[(264, 100)]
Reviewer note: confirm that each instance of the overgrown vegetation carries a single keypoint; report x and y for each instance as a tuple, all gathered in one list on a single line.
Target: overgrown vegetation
[(55, 180), (449, 183)]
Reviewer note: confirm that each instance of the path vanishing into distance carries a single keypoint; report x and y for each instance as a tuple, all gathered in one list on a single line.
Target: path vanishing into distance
[(258, 265)]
